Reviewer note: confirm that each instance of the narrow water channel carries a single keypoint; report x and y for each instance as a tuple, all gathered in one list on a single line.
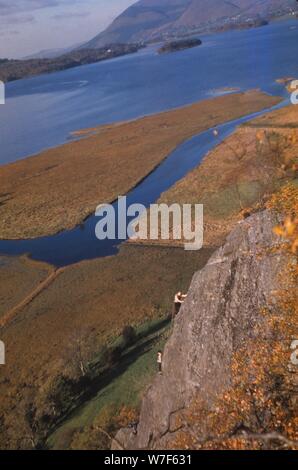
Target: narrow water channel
[(80, 243)]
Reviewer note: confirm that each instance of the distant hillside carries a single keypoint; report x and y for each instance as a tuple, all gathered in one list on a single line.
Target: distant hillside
[(51, 53), (158, 19), (15, 69)]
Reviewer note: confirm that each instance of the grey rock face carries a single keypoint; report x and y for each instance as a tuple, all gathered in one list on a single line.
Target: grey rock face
[(223, 305)]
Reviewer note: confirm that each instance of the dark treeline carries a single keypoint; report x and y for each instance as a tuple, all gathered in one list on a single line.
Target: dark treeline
[(16, 69)]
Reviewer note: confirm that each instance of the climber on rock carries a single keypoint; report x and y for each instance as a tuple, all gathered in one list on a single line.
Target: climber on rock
[(178, 301), (159, 362)]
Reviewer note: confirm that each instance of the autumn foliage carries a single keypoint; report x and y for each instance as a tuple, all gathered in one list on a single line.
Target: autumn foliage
[(259, 410)]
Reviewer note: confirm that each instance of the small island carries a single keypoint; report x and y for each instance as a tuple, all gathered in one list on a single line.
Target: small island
[(174, 46)]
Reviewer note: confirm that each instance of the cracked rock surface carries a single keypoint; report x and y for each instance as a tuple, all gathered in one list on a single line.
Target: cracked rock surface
[(224, 303)]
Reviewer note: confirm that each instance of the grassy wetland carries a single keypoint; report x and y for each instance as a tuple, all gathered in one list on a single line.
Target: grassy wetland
[(59, 188), (68, 342)]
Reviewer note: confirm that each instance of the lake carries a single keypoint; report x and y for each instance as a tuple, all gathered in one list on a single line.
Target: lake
[(40, 112)]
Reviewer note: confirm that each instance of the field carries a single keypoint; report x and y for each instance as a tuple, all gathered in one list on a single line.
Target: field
[(122, 391), (83, 310), (87, 306), (18, 277), (238, 176), (59, 188)]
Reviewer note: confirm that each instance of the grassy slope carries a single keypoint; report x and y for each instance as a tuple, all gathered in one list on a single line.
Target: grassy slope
[(94, 299), (124, 390)]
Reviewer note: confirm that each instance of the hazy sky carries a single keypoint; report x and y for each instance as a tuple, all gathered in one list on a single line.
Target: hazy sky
[(28, 26)]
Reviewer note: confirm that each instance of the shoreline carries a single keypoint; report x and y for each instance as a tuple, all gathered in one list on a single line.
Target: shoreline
[(75, 58), (273, 20), (136, 148), (247, 169)]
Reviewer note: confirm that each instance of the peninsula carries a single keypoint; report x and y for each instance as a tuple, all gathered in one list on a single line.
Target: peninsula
[(16, 69), (60, 187)]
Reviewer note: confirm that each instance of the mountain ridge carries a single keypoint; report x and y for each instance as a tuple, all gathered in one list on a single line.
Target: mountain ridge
[(152, 20)]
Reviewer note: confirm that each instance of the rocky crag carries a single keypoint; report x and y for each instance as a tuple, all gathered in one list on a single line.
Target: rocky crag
[(222, 314)]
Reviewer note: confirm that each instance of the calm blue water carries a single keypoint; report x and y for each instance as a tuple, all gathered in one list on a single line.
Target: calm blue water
[(41, 111)]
